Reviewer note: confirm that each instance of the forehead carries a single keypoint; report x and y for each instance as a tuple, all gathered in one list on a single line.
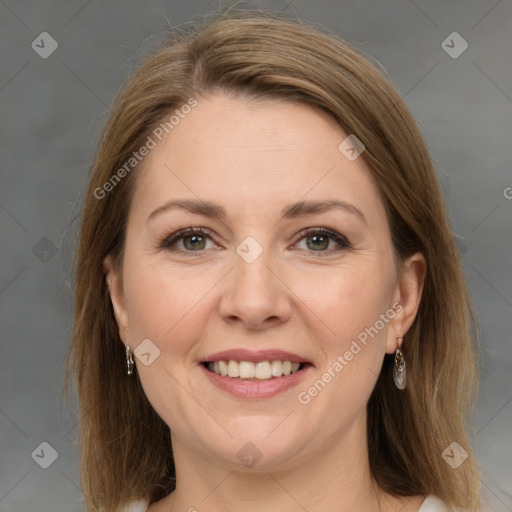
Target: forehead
[(253, 156)]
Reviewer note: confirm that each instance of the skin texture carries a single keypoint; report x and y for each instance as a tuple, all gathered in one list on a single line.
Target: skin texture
[(255, 158)]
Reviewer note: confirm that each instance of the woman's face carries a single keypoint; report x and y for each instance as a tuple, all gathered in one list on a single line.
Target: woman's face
[(275, 275)]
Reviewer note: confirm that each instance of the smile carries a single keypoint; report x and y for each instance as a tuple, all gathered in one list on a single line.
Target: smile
[(261, 370), (254, 380)]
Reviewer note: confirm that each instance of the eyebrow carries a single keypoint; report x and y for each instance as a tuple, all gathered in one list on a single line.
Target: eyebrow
[(291, 211)]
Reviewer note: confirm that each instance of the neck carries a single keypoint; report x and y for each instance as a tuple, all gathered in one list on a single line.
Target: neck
[(334, 476)]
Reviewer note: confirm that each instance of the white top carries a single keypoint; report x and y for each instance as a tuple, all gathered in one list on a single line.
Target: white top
[(430, 504)]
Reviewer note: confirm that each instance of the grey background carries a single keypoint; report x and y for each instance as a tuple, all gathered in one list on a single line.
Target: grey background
[(51, 114)]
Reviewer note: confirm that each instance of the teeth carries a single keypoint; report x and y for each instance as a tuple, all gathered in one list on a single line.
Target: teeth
[(276, 368), (233, 369), (262, 370), (223, 368), (246, 369), (250, 370)]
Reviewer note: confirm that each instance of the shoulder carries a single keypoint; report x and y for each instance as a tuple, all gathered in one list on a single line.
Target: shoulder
[(434, 504), (136, 506), (430, 504)]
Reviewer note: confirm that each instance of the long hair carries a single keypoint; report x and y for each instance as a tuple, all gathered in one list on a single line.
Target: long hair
[(125, 447)]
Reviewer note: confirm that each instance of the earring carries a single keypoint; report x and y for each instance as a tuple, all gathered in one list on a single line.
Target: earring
[(129, 361), (399, 367)]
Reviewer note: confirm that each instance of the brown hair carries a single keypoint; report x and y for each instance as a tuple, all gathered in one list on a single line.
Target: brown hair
[(125, 448)]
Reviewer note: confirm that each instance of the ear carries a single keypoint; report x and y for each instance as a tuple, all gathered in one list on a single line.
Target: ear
[(408, 292), (115, 286)]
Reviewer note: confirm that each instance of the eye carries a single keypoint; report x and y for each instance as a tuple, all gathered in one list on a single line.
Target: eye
[(319, 240), (194, 240)]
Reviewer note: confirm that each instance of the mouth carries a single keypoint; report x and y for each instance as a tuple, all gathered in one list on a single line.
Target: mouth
[(249, 371), (254, 376)]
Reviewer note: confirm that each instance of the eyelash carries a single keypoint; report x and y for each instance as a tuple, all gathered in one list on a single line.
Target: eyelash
[(168, 241)]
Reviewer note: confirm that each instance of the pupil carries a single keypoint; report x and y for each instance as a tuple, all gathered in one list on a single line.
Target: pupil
[(195, 240), (318, 241), (321, 238)]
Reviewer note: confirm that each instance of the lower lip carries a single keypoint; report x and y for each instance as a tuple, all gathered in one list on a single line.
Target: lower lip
[(252, 388)]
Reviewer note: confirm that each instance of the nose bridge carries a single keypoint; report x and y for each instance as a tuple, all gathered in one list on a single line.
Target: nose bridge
[(252, 263), (254, 293)]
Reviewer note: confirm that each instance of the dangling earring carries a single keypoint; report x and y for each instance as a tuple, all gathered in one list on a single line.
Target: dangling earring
[(129, 361), (399, 367)]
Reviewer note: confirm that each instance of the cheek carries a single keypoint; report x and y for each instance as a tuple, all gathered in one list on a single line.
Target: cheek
[(353, 304), (350, 300), (162, 302), (169, 308)]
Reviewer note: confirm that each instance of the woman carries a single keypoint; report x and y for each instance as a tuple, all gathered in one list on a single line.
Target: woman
[(270, 311)]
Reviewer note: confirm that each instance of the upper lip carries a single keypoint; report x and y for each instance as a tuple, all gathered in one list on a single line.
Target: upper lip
[(255, 356)]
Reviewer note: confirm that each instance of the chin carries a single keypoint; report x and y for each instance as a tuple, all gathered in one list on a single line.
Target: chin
[(256, 449)]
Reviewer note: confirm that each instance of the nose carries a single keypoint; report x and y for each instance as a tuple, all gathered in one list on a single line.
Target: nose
[(254, 294)]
